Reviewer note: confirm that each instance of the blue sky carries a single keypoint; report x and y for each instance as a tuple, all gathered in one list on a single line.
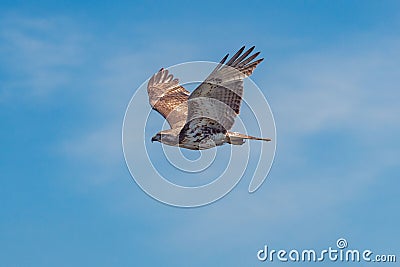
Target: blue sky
[(69, 69)]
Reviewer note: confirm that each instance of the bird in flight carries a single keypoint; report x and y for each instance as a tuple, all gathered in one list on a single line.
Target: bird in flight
[(202, 119)]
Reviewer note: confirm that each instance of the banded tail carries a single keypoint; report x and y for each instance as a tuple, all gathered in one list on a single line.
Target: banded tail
[(238, 138)]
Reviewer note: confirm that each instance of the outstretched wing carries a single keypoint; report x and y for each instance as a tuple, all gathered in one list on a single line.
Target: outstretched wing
[(168, 98), (216, 102)]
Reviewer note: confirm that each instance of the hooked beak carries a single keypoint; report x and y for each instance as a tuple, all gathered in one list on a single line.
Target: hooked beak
[(153, 139)]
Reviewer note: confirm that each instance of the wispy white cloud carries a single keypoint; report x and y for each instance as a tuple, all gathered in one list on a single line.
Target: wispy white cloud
[(38, 54), (349, 87)]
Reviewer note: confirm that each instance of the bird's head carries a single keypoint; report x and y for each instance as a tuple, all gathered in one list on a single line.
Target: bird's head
[(157, 138), (168, 137)]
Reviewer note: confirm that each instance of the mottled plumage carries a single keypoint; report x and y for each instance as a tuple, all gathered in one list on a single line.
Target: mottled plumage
[(202, 119)]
